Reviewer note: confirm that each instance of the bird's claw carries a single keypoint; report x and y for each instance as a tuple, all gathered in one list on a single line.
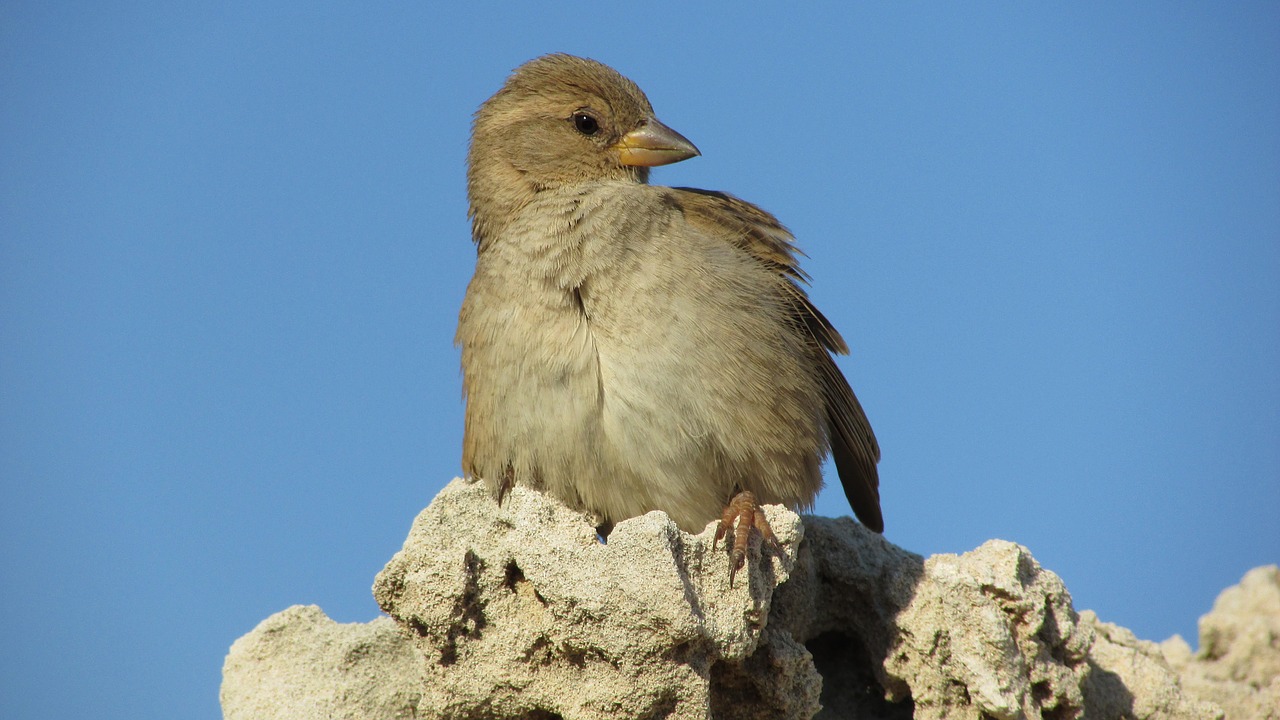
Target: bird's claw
[(741, 515)]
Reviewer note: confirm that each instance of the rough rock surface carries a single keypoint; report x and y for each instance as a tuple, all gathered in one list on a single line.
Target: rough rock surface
[(520, 612), (1238, 665)]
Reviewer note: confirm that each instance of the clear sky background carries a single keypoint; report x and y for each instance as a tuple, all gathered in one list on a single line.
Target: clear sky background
[(233, 244)]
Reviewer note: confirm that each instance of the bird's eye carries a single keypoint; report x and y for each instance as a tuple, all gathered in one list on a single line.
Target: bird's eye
[(585, 124)]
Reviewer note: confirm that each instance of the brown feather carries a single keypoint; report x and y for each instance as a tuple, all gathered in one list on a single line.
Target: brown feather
[(758, 233)]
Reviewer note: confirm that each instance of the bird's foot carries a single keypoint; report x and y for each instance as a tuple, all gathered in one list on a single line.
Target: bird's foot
[(745, 511)]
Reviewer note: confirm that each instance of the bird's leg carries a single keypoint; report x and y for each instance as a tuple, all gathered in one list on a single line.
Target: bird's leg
[(743, 509), (507, 482)]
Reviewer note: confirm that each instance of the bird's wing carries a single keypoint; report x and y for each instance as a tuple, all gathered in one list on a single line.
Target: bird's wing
[(759, 234)]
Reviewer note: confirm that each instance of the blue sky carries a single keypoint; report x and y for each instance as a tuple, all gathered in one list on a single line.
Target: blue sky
[(233, 244)]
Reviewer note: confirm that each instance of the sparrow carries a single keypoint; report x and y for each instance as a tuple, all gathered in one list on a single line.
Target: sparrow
[(628, 347)]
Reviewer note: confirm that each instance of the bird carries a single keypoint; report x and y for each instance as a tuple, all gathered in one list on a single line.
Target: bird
[(628, 347)]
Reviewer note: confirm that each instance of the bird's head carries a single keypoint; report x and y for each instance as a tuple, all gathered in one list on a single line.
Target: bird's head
[(561, 120)]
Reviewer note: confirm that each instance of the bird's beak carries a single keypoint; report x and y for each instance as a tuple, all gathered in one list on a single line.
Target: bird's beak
[(653, 144)]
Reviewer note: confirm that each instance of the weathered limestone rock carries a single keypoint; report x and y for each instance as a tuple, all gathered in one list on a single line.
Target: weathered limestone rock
[(300, 664), (1238, 665), (521, 612)]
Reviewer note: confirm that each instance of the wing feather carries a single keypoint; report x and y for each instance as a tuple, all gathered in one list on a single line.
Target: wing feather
[(759, 234)]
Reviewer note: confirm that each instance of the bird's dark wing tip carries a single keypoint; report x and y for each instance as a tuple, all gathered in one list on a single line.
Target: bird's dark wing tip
[(861, 485)]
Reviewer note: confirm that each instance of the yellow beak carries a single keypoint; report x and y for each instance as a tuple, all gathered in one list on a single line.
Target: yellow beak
[(653, 144)]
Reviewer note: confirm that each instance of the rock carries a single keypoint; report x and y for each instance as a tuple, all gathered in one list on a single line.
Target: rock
[(1130, 678), (300, 664), (990, 634), (1238, 665), (519, 611)]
